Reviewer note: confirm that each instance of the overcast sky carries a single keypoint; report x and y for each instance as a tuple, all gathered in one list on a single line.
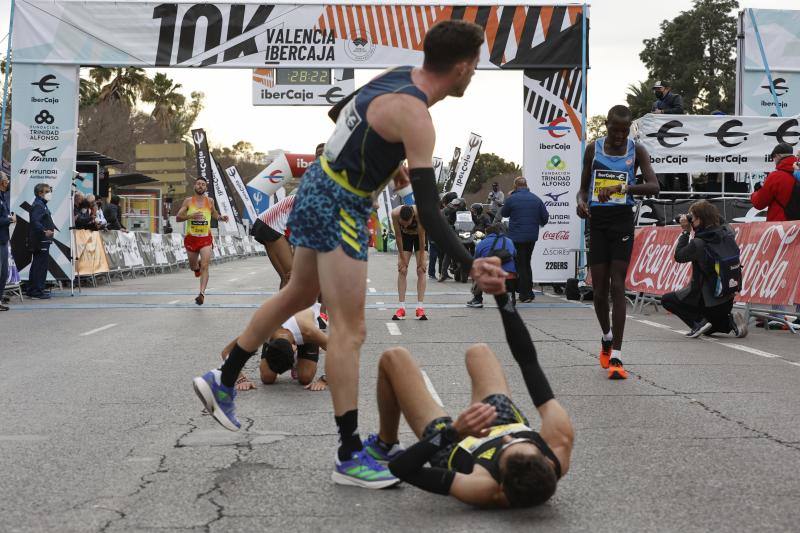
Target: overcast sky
[(491, 107)]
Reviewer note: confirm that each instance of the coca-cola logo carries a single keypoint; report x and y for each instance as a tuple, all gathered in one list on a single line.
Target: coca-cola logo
[(654, 267), (765, 263), (562, 235)]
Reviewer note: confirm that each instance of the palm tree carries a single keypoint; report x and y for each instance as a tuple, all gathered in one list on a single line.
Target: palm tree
[(640, 98), (119, 84), (163, 93), (89, 93)]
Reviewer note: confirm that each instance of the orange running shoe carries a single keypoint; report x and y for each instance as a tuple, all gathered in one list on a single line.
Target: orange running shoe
[(615, 370), (400, 314), (421, 314), (605, 352)]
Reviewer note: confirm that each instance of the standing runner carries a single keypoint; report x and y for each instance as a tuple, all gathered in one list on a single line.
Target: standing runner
[(410, 236), (609, 172), (198, 210), (377, 127)]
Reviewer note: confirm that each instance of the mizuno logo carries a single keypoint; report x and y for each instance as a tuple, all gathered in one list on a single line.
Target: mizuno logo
[(42, 152), (554, 196), (664, 133), (724, 133)]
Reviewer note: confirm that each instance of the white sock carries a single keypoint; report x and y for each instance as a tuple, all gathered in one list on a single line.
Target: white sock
[(616, 354), (420, 305), (403, 306), (608, 336)]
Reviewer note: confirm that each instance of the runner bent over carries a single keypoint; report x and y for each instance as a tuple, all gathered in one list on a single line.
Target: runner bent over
[(198, 210), (377, 127), (609, 175), (410, 240), (489, 456), (270, 230)]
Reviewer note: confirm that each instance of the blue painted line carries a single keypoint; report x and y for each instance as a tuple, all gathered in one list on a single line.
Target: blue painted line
[(88, 306)]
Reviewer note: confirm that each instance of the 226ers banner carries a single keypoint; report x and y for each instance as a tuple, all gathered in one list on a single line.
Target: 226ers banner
[(770, 254), (552, 163)]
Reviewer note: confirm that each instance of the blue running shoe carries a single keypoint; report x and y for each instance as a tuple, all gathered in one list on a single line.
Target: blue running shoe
[(217, 398), (379, 451), (363, 471)]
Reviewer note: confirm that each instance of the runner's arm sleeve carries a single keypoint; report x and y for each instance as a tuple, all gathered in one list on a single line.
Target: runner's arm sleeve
[(410, 466), (524, 352), (423, 182)]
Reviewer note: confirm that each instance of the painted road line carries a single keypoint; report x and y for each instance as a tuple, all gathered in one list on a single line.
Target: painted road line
[(173, 302), (232, 280), (431, 389), (97, 330), (372, 290), (748, 349), (655, 324), (393, 329)]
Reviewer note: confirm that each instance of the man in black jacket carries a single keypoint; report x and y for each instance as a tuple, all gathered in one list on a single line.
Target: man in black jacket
[(40, 237), (112, 214), (697, 305), (669, 103)]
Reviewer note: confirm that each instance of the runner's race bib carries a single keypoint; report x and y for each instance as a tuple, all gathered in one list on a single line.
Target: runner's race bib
[(610, 178)]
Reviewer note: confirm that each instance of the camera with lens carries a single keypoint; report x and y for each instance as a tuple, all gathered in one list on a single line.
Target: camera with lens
[(688, 218)]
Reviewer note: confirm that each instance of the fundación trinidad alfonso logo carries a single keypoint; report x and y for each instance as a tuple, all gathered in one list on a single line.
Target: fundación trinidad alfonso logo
[(556, 128), (556, 163), (665, 135)]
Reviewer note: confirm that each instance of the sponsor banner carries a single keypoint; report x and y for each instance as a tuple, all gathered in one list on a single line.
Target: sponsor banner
[(131, 253), (229, 193), (451, 169), (114, 255), (438, 169), (12, 276), (143, 240), (770, 254), (756, 98), (386, 235), (465, 164), (302, 86), (709, 143), (779, 30), (177, 247), (271, 179), (552, 166), (254, 35), (223, 201), (204, 165), (90, 254), (159, 252), (238, 185), (43, 145)]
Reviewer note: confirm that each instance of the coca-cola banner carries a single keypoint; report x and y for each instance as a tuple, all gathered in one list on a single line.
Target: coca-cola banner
[(770, 253)]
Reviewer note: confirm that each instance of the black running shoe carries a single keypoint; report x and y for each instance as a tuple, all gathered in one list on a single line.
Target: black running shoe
[(700, 328)]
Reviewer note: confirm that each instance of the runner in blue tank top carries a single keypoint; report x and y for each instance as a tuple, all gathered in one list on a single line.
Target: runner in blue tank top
[(608, 184), (385, 122)]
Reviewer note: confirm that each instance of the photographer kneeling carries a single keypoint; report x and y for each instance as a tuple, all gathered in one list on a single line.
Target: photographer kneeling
[(705, 305)]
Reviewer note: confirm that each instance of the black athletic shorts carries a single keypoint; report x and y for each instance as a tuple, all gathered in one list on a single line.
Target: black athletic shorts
[(309, 352), (610, 234), (263, 233), (410, 242), (507, 413)]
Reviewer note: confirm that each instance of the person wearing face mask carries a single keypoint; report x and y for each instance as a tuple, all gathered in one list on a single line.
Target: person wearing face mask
[(40, 237), (669, 103), (777, 192), (701, 305), (6, 219)]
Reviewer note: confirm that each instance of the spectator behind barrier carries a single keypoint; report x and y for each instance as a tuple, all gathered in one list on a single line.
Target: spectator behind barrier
[(699, 305), (112, 214), (6, 219), (776, 191)]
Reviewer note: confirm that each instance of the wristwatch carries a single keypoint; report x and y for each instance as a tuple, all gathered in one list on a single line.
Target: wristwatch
[(450, 434), (624, 188)]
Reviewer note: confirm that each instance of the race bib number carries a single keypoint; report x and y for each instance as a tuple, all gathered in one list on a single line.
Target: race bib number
[(348, 121), (610, 178)]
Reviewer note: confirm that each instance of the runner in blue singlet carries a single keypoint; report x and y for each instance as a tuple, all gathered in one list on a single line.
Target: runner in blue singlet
[(385, 122), (608, 184)]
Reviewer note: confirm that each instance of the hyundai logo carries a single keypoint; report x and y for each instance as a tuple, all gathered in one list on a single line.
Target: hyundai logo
[(724, 133), (784, 132), (664, 133), (555, 128)]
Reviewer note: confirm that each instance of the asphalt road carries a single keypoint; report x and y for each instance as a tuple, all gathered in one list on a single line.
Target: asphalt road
[(100, 430)]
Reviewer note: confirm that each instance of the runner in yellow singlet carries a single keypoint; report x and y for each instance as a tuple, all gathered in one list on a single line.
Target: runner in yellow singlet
[(197, 211)]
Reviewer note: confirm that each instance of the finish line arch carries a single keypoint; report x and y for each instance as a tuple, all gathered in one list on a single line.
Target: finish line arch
[(51, 40)]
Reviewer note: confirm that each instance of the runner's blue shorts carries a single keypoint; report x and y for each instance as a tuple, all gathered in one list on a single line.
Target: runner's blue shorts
[(326, 216)]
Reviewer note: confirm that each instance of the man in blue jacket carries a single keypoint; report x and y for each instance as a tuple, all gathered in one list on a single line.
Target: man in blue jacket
[(526, 213), (496, 244), (40, 238), (6, 219)]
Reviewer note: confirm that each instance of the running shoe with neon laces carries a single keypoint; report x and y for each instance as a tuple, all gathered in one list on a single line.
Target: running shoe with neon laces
[(400, 314), (421, 314), (361, 470), (217, 399), (379, 451), (605, 352), (615, 370)]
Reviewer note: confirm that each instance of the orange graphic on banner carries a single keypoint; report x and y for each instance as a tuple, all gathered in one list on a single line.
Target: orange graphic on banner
[(90, 253)]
